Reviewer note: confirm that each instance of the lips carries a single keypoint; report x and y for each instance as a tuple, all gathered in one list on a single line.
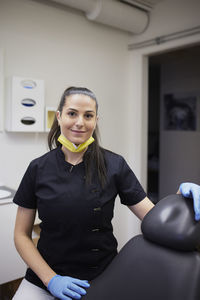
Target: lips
[(78, 131)]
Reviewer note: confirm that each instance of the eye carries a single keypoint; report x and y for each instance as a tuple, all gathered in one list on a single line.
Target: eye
[(71, 113), (89, 116)]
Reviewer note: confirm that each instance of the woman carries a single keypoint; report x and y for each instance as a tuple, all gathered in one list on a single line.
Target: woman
[(74, 187)]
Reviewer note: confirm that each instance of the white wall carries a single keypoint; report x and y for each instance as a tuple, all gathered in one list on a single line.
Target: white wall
[(48, 42), (63, 48)]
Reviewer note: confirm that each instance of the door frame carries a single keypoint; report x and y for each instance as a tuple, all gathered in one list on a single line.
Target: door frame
[(138, 104)]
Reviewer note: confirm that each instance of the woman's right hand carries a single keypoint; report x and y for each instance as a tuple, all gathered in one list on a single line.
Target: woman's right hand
[(67, 288)]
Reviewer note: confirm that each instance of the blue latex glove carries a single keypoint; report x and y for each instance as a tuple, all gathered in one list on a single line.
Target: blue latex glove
[(67, 288), (192, 190)]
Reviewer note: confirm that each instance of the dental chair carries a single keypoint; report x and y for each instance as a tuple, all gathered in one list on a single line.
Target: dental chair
[(161, 264)]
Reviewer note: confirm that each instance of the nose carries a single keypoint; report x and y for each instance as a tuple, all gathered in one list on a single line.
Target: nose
[(79, 121)]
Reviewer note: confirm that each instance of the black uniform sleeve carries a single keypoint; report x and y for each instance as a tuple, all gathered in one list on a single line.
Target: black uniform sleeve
[(25, 195), (129, 189)]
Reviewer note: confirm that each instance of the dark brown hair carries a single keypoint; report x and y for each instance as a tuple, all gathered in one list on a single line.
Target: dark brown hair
[(94, 156)]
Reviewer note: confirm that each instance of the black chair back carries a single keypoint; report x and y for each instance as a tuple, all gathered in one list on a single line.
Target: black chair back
[(161, 264)]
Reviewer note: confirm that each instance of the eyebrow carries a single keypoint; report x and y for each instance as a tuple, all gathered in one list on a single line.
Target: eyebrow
[(70, 108)]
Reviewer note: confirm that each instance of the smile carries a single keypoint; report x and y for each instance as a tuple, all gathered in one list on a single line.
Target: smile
[(77, 131)]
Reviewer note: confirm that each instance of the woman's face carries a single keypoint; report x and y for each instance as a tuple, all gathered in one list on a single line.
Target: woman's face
[(78, 118)]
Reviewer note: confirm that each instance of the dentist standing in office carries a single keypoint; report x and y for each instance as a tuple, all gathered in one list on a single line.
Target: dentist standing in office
[(74, 187)]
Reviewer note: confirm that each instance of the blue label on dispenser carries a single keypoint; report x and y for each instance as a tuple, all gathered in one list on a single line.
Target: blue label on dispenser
[(28, 102), (28, 84)]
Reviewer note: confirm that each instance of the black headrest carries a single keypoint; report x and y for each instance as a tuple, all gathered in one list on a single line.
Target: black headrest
[(171, 223)]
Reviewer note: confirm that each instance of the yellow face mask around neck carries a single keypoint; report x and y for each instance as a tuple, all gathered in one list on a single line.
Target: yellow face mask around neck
[(73, 148)]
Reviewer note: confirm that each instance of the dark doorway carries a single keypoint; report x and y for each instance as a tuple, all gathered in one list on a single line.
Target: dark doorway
[(153, 130), (173, 148)]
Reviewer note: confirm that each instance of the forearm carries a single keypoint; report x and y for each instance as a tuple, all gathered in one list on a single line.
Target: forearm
[(142, 208), (33, 258)]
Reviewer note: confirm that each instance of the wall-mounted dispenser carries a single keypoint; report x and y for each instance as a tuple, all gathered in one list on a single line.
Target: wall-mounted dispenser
[(25, 105)]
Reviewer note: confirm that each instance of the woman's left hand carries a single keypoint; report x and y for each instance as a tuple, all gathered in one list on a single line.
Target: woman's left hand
[(192, 190)]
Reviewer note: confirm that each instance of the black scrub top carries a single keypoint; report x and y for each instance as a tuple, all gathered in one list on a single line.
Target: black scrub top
[(76, 236)]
